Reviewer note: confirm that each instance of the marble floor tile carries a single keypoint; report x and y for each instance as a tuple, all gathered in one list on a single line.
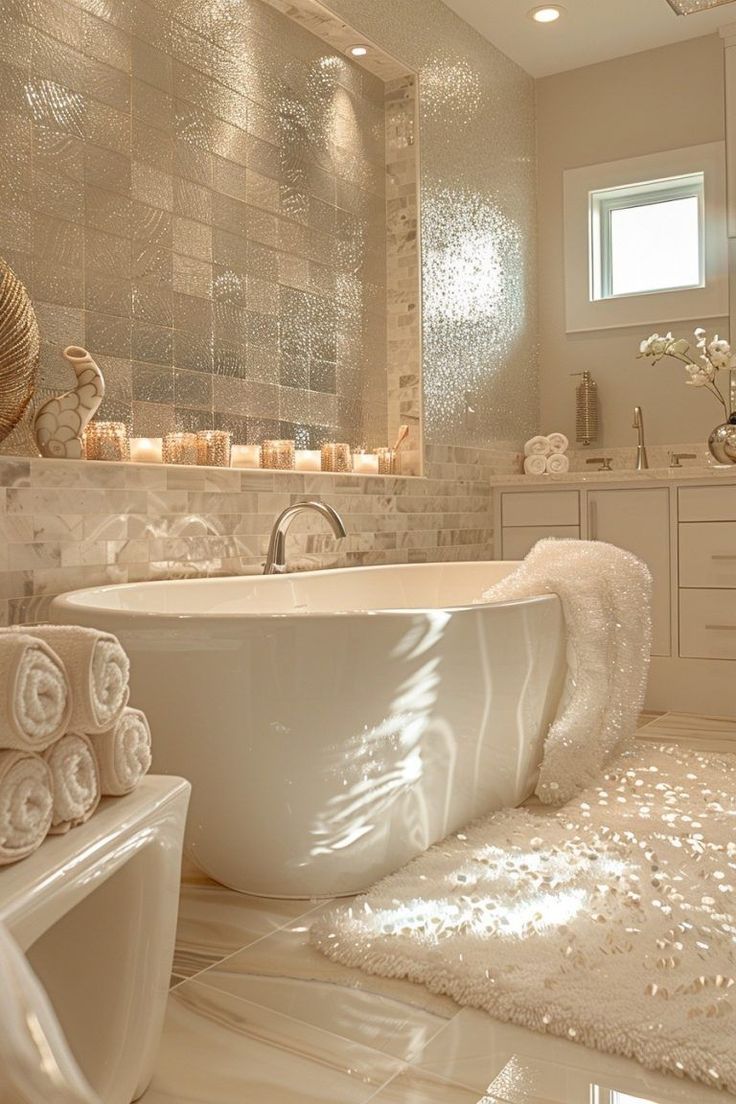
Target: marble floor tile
[(286, 974), (215, 921), (516, 1066), (417, 1087), (218, 1049), (647, 716), (703, 733)]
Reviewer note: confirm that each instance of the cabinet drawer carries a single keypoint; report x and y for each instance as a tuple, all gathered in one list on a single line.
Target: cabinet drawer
[(707, 503), (708, 554), (541, 508), (708, 624), (518, 540)]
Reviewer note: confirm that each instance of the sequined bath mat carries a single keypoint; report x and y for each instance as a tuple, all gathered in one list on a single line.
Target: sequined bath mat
[(611, 922)]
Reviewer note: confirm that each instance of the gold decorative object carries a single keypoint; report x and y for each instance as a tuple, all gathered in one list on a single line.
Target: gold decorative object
[(213, 447), (60, 423), (20, 348), (106, 441), (336, 457), (586, 410), (181, 448), (386, 461), (278, 454)]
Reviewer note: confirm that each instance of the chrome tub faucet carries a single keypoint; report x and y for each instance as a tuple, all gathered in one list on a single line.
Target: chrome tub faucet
[(276, 556)]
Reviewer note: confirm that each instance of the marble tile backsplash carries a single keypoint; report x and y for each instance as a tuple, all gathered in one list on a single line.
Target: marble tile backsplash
[(70, 524)]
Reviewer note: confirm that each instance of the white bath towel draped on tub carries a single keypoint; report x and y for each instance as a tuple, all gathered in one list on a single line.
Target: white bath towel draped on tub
[(606, 596)]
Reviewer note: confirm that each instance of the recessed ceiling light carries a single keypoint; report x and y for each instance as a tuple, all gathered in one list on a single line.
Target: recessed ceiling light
[(359, 50), (549, 13)]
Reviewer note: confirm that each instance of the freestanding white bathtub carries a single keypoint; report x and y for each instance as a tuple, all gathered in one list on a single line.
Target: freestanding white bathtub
[(335, 724)]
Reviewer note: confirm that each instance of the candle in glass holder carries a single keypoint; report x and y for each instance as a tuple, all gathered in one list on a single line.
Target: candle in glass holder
[(106, 441), (147, 450), (336, 457), (308, 460), (278, 454), (213, 447), (386, 461), (245, 456), (180, 448), (365, 463)]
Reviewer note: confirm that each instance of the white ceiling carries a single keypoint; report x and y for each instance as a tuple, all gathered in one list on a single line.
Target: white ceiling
[(589, 31)]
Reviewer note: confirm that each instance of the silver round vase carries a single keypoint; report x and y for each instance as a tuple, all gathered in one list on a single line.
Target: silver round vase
[(722, 442)]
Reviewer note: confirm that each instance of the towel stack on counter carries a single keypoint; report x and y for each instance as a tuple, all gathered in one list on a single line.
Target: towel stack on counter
[(547, 455), (67, 736)]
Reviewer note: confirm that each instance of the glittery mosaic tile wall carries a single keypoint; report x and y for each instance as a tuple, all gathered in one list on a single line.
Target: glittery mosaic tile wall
[(196, 192), (478, 220)]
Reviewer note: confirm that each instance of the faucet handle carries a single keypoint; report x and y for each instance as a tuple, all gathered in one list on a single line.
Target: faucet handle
[(604, 461), (676, 457)]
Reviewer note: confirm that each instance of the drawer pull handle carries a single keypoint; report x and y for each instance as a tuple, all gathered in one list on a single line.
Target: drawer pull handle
[(725, 556), (726, 628)]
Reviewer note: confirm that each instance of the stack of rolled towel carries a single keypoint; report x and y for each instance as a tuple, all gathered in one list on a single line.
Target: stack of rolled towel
[(547, 455), (67, 736)]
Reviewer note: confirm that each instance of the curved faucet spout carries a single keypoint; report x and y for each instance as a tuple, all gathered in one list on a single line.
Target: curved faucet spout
[(276, 556)]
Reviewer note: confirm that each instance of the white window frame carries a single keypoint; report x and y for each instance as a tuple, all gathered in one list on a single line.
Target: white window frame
[(602, 204), (586, 307)]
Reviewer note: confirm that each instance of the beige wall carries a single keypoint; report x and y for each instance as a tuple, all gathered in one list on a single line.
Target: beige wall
[(645, 103)]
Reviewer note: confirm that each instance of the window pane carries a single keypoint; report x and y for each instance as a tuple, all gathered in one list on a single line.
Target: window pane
[(655, 246)]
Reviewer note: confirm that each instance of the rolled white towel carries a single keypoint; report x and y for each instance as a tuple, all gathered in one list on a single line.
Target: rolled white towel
[(537, 446), (26, 804), (35, 695), (75, 781), (535, 465), (123, 753), (558, 442), (558, 463), (98, 670)]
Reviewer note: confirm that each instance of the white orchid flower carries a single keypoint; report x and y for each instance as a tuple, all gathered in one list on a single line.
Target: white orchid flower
[(719, 353), (656, 346), (699, 377), (714, 356)]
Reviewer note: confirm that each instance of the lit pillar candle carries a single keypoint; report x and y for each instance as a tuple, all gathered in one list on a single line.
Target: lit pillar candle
[(365, 463), (245, 456), (308, 460), (147, 450)]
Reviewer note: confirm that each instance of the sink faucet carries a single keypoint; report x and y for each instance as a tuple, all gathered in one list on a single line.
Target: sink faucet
[(641, 452), (676, 457), (276, 556), (604, 462)]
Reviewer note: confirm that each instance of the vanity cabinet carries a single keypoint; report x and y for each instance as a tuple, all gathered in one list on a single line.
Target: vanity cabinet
[(686, 533), (639, 521), (707, 572)]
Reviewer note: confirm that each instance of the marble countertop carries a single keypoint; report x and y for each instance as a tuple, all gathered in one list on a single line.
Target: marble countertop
[(703, 473)]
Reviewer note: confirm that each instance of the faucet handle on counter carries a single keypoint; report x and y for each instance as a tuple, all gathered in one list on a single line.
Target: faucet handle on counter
[(676, 457), (603, 461)]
